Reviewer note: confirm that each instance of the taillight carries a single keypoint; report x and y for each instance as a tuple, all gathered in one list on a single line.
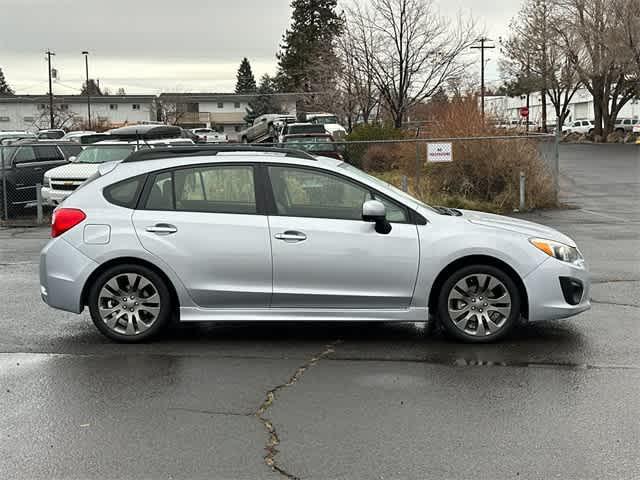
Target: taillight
[(65, 219)]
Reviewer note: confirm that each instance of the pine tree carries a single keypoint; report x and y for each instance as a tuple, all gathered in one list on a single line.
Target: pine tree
[(265, 101), (94, 89), (315, 24), (5, 89), (246, 82)]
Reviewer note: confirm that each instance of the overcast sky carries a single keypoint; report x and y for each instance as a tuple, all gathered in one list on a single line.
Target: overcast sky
[(149, 46)]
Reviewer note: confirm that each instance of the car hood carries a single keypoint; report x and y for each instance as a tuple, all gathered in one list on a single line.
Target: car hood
[(530, 229), (73, 171)]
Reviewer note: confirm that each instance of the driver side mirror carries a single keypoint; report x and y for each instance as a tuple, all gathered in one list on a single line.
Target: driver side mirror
[(375, 211)]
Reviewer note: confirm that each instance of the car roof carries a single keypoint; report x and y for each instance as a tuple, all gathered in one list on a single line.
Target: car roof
[(260, 153)]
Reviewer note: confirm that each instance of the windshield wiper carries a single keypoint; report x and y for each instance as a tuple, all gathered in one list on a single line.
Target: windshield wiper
[(452, 212)]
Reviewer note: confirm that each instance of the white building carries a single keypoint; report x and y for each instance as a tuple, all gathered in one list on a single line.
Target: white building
[(31, 112), (224, 111), (581, 107)]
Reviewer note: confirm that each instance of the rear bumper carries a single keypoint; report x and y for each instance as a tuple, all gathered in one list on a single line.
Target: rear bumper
[(64, 271), (544, 289), (54, 197)]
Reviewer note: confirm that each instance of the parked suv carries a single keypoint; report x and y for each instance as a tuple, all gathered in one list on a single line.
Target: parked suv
[(24, 165), (580, 126), (266, 234), (62, 181), (626, 125)]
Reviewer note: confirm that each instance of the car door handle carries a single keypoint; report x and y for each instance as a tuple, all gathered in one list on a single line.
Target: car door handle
[(162, 229), (291, 236)]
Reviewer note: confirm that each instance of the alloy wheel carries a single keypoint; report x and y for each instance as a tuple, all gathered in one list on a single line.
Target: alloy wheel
[(129, 304), (479, 305)]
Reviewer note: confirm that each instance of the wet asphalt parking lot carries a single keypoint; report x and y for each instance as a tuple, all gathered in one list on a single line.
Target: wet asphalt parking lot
[(253, 401)]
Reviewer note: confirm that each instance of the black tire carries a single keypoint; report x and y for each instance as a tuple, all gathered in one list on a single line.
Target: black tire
[(448, 323), (162, 319), (244, 140)]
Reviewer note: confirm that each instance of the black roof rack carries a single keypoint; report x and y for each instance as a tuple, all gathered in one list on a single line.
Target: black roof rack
[(209, 150)]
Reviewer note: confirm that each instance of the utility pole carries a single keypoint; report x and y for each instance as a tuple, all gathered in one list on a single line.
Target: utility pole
[(86, 64), (49, 53), (482, 47)]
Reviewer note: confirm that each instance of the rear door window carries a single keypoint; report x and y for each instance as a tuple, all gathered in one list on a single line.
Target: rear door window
[(48, 153), (215, 189)]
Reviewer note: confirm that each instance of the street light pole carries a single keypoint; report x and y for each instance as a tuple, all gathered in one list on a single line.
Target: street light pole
[(86, 65), (49, 53)]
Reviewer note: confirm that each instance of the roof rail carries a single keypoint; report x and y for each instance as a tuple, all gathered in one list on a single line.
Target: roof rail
[(209, 150)]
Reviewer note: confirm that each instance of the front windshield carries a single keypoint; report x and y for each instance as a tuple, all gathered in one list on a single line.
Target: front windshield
[(104, 154), (325, 120), (359, 173)]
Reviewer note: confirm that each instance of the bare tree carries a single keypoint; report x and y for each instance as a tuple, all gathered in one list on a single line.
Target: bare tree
[(170, 109), (537, 61), (359, 93), (413, 50), (63, 117), (601, 41)]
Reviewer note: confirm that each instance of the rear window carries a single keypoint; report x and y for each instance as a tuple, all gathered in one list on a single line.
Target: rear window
[(125, 193)]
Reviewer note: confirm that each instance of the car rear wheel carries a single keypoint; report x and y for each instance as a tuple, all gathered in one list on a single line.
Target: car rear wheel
[(129, 303), (479, 304)]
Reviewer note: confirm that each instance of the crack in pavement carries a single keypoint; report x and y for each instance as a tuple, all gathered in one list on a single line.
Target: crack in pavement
[(603, 302), (273, 439), (212, 412)]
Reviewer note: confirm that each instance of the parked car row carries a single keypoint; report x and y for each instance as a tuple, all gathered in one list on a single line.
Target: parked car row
[(61, 166)]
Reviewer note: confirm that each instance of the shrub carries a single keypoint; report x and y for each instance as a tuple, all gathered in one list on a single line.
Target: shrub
[(356, 154), (484, 171)]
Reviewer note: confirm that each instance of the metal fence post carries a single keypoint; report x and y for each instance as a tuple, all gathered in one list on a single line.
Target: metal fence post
[(418, 168), (556, 159), (522, 191), (405, 183), (4, 186), (39, 203)]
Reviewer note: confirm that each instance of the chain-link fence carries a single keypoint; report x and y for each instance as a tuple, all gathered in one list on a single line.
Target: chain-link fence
[(498, 173)]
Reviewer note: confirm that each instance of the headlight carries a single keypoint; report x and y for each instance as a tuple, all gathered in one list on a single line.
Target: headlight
[(561, 251), (46, 182)]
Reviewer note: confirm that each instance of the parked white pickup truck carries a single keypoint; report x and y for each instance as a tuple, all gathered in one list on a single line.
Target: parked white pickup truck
[(265, 127), (330, 122)]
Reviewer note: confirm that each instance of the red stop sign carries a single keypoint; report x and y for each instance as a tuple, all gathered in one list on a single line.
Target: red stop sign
[(524, 112)]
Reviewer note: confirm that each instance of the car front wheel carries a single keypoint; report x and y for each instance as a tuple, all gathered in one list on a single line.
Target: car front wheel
[(129, 303), (479, 304)]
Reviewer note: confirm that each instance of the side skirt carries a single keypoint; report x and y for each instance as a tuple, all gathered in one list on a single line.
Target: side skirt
[(194, 314)]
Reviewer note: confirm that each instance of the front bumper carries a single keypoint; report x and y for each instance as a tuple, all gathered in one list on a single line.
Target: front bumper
[(54, 197), (64, 270), (544, 289)]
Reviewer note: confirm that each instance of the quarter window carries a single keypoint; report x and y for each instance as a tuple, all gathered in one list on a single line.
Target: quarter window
[(125, 193), (25, 155)]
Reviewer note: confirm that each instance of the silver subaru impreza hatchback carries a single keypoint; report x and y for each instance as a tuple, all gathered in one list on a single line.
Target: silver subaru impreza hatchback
[(251, 234)]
